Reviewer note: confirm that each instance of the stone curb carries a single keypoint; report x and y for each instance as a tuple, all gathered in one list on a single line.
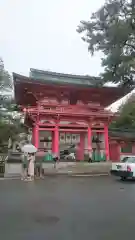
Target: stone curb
[(76, 174), (91, 175), (63, 174)]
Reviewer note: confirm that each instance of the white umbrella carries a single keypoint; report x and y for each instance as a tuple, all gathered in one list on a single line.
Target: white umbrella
[(29, 148)]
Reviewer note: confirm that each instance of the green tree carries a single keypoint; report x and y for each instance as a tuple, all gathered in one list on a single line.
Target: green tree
[(111, 30), (6, 83), (10, 125), (126, 119), (6, 89)]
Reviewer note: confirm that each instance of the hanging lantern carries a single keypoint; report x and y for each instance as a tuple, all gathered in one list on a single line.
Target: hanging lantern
[(74, 138), (68, 138), (62, 137)]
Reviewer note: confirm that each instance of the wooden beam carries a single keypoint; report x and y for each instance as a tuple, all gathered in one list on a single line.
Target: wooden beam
[(46, 129)]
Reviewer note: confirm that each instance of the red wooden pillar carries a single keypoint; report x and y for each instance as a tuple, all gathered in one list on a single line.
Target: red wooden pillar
[(89, 139), (56, 140), (52, 141), (36, 136), (106, 142)]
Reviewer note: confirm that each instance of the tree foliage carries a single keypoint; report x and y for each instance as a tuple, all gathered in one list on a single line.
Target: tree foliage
[(111, 30), (126, 117), (10, 125), (10, 131), (6, 83), (6, 88)]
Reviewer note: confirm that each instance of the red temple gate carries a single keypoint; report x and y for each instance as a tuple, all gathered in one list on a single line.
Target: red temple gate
[(67, 108)]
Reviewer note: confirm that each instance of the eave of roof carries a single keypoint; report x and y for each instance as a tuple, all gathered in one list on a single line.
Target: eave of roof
[(24, 79), (64, 75), (111, 94), (122, 133)]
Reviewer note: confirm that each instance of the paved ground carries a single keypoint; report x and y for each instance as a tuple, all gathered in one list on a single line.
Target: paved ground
[(79, 168), (63, 168), (98, 208)]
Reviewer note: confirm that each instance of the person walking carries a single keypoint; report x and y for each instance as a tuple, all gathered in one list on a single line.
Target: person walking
[(55, 160), (31, 160), (24, 166), (38, 167), (89, 157)]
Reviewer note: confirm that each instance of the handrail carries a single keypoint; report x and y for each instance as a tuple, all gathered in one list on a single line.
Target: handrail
[(71, 111), (49, 103), (66, 108), (77, 106)]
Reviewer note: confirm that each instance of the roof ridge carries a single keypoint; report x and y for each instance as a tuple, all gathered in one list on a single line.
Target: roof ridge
[(87, 77)]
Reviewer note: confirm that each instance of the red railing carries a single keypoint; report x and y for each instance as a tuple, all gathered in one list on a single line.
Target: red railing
[(66, 110)]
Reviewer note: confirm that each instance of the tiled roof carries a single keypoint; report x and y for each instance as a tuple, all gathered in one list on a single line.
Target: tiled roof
[(64, 78), (122, 133)]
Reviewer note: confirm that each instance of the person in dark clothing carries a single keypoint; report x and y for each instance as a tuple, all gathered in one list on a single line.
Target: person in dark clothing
[(38, 168), (55, 159), (24, 167), (89, 160)]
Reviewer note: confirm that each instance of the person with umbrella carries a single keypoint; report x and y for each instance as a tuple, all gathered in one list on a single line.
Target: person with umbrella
[(30, 150), (31, 166)]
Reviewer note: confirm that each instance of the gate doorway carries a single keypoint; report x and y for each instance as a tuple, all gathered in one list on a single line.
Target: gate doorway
[(68, 142)]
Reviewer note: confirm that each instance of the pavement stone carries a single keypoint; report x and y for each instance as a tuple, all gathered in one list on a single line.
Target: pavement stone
[(66, 208), (69, 169)]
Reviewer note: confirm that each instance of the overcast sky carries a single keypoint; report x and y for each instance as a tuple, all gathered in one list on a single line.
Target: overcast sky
[(42, 34)]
